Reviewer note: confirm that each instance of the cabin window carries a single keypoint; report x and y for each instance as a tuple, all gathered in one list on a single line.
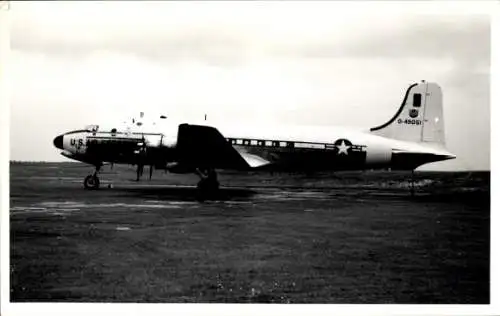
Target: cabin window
[(269, 143), (276, 144), (417, 99), (239, 141), (253, 142), (282, 144), (246, 142)]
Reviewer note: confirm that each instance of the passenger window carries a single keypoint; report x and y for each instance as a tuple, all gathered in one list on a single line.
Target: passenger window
[(417, 99)]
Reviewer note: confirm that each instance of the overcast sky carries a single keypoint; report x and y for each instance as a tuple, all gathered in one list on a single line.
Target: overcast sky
[(294, 63)]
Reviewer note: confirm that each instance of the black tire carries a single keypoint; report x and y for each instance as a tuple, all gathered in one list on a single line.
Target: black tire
[(91, 182)]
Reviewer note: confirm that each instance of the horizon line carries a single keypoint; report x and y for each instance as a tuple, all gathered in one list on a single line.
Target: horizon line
[(78, 162)]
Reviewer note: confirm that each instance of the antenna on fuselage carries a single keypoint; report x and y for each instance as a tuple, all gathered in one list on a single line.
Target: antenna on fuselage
[(205, 117)]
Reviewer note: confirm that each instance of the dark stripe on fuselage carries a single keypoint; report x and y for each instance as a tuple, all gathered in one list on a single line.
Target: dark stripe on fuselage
[(111, 138), (309, 159), (263, 143), (285, 155)]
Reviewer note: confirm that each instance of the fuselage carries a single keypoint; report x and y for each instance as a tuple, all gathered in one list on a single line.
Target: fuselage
[(272, 147)]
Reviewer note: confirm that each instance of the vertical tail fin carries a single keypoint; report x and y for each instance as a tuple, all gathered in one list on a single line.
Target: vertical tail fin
[(419, 118)]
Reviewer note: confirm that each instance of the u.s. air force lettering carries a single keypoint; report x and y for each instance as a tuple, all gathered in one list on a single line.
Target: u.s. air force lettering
[(76, 143)]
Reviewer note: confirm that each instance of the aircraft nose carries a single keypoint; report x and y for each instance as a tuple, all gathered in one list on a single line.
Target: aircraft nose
[(58, 141)]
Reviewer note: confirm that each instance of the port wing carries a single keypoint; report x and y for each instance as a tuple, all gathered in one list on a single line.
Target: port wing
[(204, 146)]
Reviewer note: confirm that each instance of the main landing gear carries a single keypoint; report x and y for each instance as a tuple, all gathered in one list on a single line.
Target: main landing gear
[(208, 186), (91, 181)]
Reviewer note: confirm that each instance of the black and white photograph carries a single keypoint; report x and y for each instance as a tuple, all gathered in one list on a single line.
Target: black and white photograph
[(260, 153)]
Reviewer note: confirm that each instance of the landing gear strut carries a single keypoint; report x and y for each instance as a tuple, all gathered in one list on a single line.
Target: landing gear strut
[(208, 186), (91, 181)]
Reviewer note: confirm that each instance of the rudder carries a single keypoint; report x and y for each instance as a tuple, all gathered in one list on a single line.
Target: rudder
[(419, 118)]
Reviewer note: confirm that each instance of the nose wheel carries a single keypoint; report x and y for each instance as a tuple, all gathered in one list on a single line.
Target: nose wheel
[(91, 181)]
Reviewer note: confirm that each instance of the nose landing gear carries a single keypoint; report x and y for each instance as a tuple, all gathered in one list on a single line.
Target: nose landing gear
[(91, 181)]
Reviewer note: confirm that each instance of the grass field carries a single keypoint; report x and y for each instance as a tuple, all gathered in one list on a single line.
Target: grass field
[(326, 238)]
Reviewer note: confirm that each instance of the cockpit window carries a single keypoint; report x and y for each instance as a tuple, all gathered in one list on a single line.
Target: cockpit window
[(92, 128)]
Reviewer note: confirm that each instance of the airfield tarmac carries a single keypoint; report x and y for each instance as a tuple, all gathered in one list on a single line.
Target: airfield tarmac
[(343, 238)]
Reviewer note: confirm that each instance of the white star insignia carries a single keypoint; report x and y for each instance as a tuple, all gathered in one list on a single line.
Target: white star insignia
[(343, 148)]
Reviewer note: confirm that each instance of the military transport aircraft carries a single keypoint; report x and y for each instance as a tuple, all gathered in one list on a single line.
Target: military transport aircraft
[(412, 137)]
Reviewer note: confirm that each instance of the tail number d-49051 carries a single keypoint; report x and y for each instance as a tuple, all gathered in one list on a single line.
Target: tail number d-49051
[(410, 121)]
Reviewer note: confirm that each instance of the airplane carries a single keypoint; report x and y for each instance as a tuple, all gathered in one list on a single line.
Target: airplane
[(414, 136)]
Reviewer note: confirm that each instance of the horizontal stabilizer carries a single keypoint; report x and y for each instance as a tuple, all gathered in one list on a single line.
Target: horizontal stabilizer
[(254, 161)]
